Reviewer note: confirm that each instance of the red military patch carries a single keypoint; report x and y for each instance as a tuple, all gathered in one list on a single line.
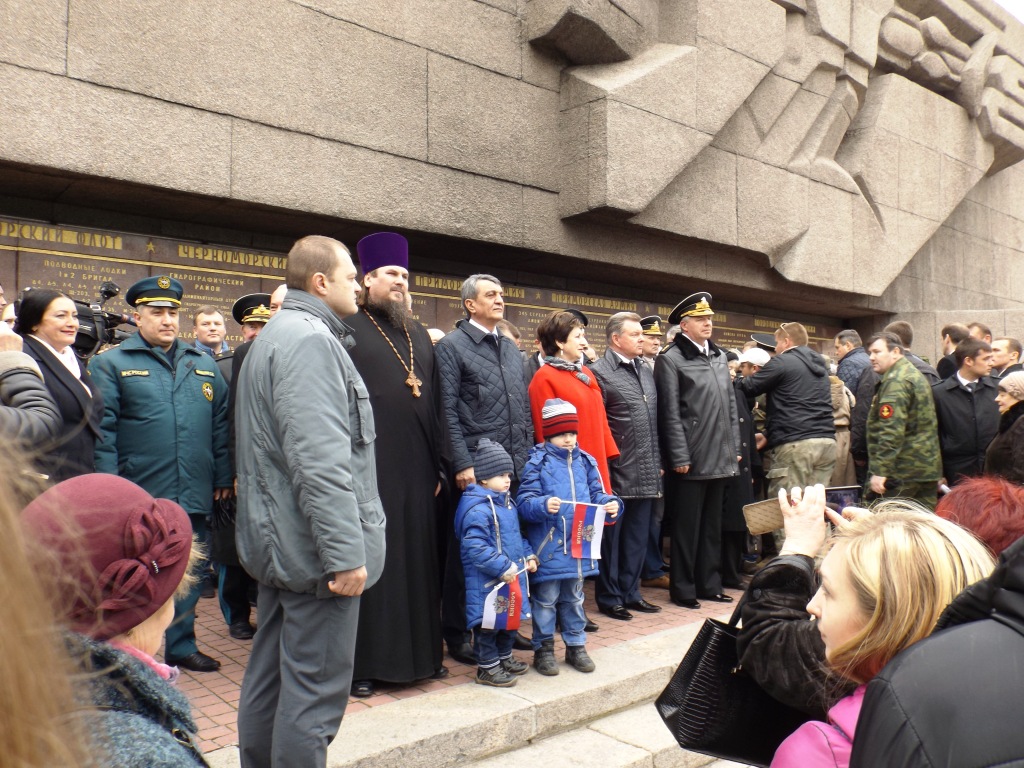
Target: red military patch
[(886, 411)]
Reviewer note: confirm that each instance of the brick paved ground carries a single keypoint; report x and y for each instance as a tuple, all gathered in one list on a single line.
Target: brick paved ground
[(214, 695)]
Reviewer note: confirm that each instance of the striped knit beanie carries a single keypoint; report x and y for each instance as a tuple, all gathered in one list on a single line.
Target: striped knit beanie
[(557, 417), (491, 460)]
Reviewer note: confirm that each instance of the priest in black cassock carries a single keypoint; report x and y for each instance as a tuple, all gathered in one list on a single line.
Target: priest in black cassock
[(399, 637)]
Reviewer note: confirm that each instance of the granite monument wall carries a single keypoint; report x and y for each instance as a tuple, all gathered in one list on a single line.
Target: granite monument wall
[(845, 159)]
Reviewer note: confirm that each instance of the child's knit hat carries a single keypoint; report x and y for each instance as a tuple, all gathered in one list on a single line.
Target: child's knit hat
[(491, 460), (558, 416)]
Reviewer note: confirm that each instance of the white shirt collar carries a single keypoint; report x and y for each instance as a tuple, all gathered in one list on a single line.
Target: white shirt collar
[(477, 325), (705, 349), (964, 382), (67, 357)]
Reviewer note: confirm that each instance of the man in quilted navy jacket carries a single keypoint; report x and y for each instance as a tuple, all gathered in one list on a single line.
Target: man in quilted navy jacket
[(483, 393)]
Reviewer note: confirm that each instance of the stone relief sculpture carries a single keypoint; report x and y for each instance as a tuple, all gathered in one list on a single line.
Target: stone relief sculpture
[(806, 131)]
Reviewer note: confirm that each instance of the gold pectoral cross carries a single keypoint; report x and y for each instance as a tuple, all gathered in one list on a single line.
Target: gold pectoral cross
[(413, 382)]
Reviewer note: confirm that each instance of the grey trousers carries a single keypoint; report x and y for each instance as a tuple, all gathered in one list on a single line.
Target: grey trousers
[(297, 683)]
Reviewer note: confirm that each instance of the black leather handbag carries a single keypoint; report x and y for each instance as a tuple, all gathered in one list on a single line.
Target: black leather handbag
[(713, 707)]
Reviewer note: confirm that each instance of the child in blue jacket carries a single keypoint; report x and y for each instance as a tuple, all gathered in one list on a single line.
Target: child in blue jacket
[(493, 550), (558, 475)]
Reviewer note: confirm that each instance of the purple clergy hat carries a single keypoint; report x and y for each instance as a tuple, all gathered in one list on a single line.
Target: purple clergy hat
[(383, 249)]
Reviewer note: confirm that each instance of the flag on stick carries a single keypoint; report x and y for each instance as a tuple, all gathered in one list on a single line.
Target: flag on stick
[(503, 606), (587, 530)]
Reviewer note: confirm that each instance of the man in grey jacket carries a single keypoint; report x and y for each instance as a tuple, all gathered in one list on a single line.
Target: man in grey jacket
[(27, 410), (631, 402), (310, 525)]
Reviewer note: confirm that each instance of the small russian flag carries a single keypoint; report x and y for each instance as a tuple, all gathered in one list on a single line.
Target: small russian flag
[(587, 530), (503, 606)]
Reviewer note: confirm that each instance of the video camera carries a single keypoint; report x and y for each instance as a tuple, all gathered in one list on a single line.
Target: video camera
[(96, 326)]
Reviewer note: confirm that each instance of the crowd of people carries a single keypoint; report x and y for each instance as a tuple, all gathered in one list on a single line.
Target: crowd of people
[(382, 490)]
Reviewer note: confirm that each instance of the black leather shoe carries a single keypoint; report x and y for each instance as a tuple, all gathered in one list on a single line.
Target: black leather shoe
[(440, 673), (463, 654), (691, 603), (196, 662), (521, 643), (362, 689), (643, 606), (617, 612), (589, 626), (241, 630), (717, 598)]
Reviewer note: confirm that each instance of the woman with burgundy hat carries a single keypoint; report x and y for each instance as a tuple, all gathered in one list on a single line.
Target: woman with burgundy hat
[(124, 555)]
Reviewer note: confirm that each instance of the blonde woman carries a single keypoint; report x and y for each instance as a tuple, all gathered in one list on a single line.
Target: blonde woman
[(885, 580), (36, 674)]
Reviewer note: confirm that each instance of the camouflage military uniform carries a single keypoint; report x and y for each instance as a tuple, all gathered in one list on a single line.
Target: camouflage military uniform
[(902, 435)]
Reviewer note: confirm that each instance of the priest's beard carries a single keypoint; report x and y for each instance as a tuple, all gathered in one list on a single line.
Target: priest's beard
[(393, 311)]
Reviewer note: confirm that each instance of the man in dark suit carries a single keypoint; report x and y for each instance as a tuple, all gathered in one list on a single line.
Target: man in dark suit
[(967, 413), (952, 335), (1006, 354)]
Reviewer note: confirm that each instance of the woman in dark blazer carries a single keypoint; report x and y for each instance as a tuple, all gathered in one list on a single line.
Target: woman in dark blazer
[(48, 322)]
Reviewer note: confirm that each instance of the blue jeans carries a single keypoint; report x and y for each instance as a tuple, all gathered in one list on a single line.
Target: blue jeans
[(492, 645), (566, 597)]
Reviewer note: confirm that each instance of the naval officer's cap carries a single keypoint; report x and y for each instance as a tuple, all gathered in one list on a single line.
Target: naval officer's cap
[(694, 305), (251, 308), (651, 325)]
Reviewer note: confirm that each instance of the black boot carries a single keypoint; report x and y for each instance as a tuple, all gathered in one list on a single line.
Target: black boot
[(544, 659), (576, 657)]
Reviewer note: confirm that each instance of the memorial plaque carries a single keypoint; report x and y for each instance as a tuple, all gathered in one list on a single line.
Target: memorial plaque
[(78, 260), (526, 307)]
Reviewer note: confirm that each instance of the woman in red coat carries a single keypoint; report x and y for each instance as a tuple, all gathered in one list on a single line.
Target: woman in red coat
[(562, 338)]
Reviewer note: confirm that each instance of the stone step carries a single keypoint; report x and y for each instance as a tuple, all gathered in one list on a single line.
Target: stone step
[(633, 738), (465, 723)]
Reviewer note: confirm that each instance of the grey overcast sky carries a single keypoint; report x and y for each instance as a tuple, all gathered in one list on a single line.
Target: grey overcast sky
[(1016, 7)]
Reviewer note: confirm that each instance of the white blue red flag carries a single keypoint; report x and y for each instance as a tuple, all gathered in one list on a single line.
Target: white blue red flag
[(587, 529), (503, 606)]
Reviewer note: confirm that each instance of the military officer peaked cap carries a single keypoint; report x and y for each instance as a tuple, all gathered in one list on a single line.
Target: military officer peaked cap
[(694, 305), (251, 308), (651, 325), (765, 341), (382, 249), (159, 291), (578, 315)]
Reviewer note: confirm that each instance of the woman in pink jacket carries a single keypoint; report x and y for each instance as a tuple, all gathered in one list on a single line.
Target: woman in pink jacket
[(884, 582)]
